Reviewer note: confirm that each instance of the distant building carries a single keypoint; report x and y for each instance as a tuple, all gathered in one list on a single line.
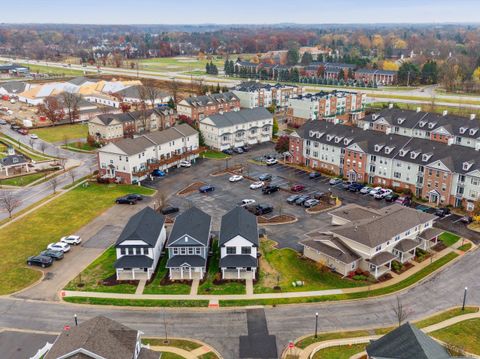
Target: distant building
[(199, 107), (132, 94), (255, 94), (380, 77)]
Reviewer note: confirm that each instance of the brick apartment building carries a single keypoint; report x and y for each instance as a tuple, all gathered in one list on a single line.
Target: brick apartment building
[(255, 94), (199, 107)]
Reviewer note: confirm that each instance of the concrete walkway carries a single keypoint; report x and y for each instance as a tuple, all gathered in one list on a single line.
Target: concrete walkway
[(187, 354), (140, 286), (249, 286), (194, 287)]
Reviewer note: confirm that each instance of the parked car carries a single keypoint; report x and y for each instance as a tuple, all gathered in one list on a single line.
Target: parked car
[(228, 151), (355, 187), (158, 173), (271, 161), (33, 136), (262, 209), (366, 190), (23, 131), (442, 212), (346, 185), (185, 164), (314, 175), (383, 193), (270, 189), (403, 200), (170, 210), (392, 197), (291, 199), (466, 219), (300, 200), (42, 261), (265, 177), (245, 148), (335, 181), (297, 188), (375, 190), (312, 202), (59, 246), (257, 185), (3, 122), (422, 208), (238, 150), (72, 239), (247, 202), (235, 178), (206, 188), (57, 255), (318, 195), (128, 199)]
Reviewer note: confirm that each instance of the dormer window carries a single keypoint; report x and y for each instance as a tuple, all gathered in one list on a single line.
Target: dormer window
[(403, 152), (347, 141), (320, 134), (431, 125), (329, 137), (400, 121), (422, 123), (426, 156), (414, 154), (463, 130), (388, 149), (378, 148), (467, 165), (312, 133), (338, 139), (473, 131)]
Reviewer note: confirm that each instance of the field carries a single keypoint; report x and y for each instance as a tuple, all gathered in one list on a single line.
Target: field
[(53, 70), (464, 335), (59, 133), (189, 65), (36, 230), (23, 180)]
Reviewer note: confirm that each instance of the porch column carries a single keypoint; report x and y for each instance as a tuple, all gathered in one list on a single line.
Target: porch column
[(414, 251), (6, 171), (223, 273), (170, 273), (116, 270), (133, 273), (238, 273), (390, 264), (190, 272), (26, 167), (376, 271), (181, 272), (401, 257)]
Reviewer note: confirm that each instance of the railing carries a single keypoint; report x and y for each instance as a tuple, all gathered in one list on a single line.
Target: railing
[(167, 161)]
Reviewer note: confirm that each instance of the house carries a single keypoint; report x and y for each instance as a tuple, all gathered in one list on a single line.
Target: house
[(199, 107), (188, 245), (104, 99), (100, 338), (238, 244), (9, 70), (13, 88), (132, 94), (234, 129), (370, 239), (255, 94), (139, 246), (406, 342), (13, 163), (132, 159), (381, 77)]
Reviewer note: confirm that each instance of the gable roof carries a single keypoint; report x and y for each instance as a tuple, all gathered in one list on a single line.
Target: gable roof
[(240, 222), (132, 146), (13, 160), (193, 223), (145, 226), (217, 98), (99, 335), (14, 87), (228, 119), (407, 342), (332, 247)]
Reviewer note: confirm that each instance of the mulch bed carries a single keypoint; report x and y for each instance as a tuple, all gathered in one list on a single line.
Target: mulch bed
[(406, 266), (234, 169), (278, 219), (440, 246), (322, 206), (385, 277), (191, 188), (112, 280)]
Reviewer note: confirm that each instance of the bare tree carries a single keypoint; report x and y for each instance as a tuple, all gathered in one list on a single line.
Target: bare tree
[(54, 184), (148, 92), (43, 146), (62, 162), (160, 200), (71, 102), (9, 201), (51, 109), (173, 86), (72, 174), (65, 140), (400, 312), (31, 142)]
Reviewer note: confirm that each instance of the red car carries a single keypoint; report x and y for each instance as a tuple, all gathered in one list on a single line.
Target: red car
[(23, 131), (297, 188)]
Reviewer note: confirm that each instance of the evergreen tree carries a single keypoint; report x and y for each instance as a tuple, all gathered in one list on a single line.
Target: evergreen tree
[(207, 68), (171, 103), (429, 74), (307, 58), (292, 57), (341, 74)]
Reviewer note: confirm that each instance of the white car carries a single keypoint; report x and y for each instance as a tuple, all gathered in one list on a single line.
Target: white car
[(185, 164), (75, 240), (257, 185), (383, 193), (366, 190), (246, 202), (33, 136), (235, 178), (271, 162), (334, 181), (374, 191), (59, 246)]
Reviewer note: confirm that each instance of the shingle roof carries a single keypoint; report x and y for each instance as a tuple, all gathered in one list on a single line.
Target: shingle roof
[(249, 86), (406, 342), (134, 92), (133, 261), (145, 226), (191, 260), (332, 247), (148, 354), (12, 160), (407, 244), (132, 146), (170, 134), (354, 212), (210, 99), (78, 81), (382, 258), (228, 119), (238, 260), (431, 233), (99, 335), (193, 223), (14, 87), (240, 222)]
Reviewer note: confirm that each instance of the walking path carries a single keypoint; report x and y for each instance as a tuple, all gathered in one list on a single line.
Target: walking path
[(141, 286), (249, 285), (187, 354), (310, 350), (194, 287)]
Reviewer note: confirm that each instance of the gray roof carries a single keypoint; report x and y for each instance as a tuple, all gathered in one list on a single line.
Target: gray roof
[(13, 160), (240, 222), (148, 354), (14, 87), (377, 230), (192, 223), (146, 226), (406, 342), (407, 244), (133, 261), (132, 146), (249, 86), (332, 247), (431, 233), (233, 118), (190, 260), (354, 212), (78, 81), (121, 117), (218, 98), (99, 335), (134, 92), (313, 97), (238, 260), (382, 258)]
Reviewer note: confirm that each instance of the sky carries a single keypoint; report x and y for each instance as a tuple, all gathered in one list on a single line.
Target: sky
[(238, 12)]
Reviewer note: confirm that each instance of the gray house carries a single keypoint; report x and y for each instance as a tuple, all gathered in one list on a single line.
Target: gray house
[(238, 244), (188, 245)]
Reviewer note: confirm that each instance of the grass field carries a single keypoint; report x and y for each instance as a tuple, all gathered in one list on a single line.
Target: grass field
[(464, 335), (79, 146), (59, 133), (444, 316), (454, 110), (137, 302), (177, 343), (21, 148), (156, 288), (53, 70), (167, 355), (64, 215), (214, 155), (190, 65), (340, 352), (23, 180), (449, 239)]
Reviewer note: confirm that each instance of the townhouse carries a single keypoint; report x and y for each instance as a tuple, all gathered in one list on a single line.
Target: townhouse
[(130, 160), (113, 126), (442, 173), (199, 107), (135, 94), (444, 128), (255, 94), (371, 239), (235, 129), (335, 105)]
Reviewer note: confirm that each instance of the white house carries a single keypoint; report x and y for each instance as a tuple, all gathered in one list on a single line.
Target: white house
[(139, 246), (234, 129)]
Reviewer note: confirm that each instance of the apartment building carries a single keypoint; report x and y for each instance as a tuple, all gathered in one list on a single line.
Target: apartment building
[(444, 128), (235, 129), (442, 173), (255, 94), (380, 77), (130, 160), (199, 107), (336, 105)]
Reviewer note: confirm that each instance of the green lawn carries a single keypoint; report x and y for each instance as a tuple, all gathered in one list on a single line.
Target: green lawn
[(444, 316), (420, 98), (214, 154), (227, 287), (60, 132), (178, 64), (23, 180), (329, 336), (177, 343), (167, 355), (209, 355), (82, 146), (101, 268), (288, 266), (449, 239), (465, 247), (137, 302), (340, 352), (155, 287), (64, 215), (464, 335), (454, 110), (54, 70), (20, 148)]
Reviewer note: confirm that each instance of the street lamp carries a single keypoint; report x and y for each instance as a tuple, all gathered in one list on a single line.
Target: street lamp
[(316, 324), (464, 298), (76, 319)]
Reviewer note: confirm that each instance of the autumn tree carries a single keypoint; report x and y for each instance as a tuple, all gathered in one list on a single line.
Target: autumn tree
[(408, 74), (51, 109), (283, 144), (71, 103)]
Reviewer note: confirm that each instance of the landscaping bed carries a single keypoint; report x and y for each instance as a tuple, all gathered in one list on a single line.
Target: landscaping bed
[(161, 284), (322, 206), (400, 268), (421, 255), (278, 219), (227, 170), (191, 188)]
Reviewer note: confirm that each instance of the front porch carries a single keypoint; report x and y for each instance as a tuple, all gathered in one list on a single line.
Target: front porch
[(380, 264), (430, 237), (406, 250), (134, 273), (238, 273), (186, 273)]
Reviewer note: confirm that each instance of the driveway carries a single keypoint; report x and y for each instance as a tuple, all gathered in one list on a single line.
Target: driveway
[(21, 345)]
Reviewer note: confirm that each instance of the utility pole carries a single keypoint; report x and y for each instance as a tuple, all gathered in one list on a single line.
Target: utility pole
[(408, 78)]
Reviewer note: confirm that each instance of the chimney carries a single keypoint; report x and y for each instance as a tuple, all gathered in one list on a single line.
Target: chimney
[(472, 116), (445, 112), (390, 106), (419, 109), (450, 141)]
